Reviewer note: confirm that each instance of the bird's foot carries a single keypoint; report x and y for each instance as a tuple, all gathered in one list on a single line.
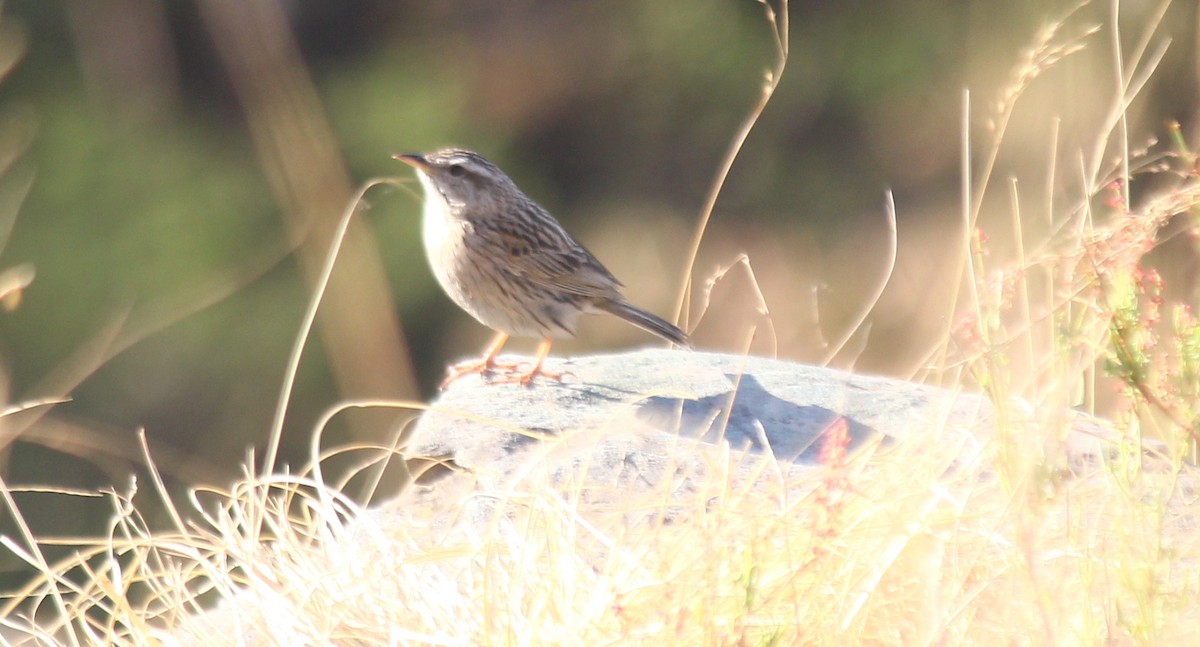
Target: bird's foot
[(524, 376), (495, 372), (482, 366)]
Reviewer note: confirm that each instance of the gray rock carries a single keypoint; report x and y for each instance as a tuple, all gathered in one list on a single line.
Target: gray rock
[(751, 403), (664, 426), (636, 420)]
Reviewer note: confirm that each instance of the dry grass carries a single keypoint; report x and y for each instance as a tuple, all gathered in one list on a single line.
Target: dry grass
[(919, 543)]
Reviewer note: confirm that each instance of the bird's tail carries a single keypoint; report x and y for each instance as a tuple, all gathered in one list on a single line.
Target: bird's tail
[(651, 323)]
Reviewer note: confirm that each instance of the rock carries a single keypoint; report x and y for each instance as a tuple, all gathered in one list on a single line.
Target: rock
[(632, 420), (751, 403)]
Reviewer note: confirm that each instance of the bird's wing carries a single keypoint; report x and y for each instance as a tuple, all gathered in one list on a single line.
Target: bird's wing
[(548, 256)]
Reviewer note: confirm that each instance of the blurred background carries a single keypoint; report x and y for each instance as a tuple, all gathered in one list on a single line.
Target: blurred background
[(173, 171)]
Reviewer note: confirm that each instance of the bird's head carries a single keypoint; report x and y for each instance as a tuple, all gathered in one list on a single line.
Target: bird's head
[(463, 180)]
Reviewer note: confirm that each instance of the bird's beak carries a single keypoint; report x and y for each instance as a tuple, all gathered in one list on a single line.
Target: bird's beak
[(412, 159)]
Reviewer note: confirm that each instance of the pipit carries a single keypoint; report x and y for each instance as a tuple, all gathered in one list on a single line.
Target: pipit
[(510, 264)]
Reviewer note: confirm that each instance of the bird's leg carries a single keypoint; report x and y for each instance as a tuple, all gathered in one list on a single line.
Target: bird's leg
[(542, 352), (488, 364), (525, 378), (485, 364)]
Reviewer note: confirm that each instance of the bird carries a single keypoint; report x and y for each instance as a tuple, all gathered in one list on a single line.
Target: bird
[(506, 261)]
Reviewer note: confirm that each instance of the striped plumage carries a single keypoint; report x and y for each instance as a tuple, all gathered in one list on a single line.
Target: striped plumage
[(508, 262)]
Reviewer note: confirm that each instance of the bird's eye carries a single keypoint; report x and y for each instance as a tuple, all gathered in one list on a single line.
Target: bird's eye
[(457, 170)]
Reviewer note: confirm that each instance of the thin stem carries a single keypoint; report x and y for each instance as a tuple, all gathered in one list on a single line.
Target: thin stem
[(310, 315), (780, 22), (869, 304)]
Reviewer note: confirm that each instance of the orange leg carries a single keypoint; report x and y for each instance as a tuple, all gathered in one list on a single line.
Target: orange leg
[(488, 364), (525, 378), (482, 365), (542, 351)]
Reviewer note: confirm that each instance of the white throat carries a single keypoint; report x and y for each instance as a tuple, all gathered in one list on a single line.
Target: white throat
[(437, 221)]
